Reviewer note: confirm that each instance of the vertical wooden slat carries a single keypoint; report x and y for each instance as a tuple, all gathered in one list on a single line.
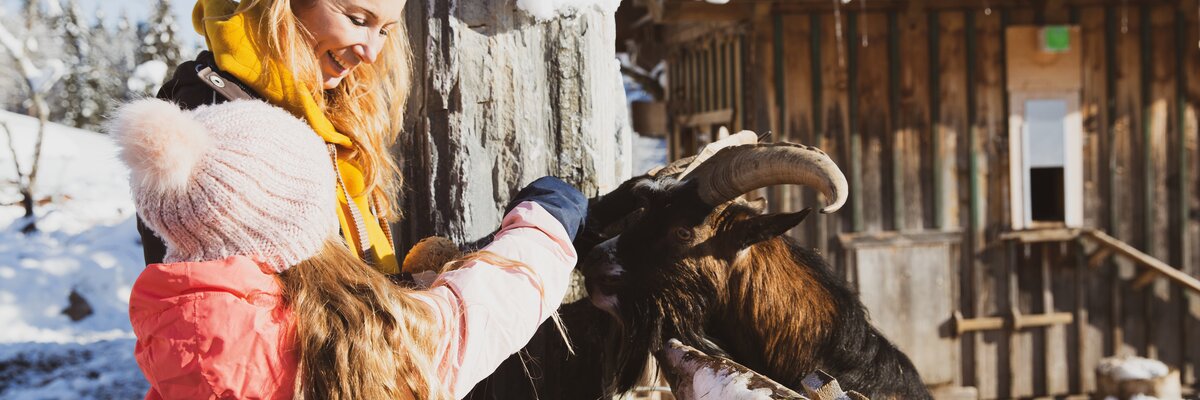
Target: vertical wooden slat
[(973, 234), (719, 73), (1058, 286), (714, 73), (1026, 381), (1163, 311), (798, 110), (854, 125), (1055, 12), (1028, 365), (703, 74), (1094, 320), (694, 57), (1126, 204), (820, 230), (834, 118), (912, 118), (952, 118), (991, 347), (929, 142), (1180, 203), (693, 84), (1081, 364), (673, 97), (779, 196), (761, 89), (1190, 52), (871, 86), (739, 78)]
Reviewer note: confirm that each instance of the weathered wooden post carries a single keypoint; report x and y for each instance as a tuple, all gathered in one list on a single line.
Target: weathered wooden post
[(499, 99)]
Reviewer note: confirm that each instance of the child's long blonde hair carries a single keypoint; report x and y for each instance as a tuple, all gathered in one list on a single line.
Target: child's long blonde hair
[(358, 335), (368, 105)]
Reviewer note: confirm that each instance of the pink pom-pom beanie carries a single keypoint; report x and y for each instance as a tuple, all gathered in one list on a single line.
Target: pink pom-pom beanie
[(238, 178)]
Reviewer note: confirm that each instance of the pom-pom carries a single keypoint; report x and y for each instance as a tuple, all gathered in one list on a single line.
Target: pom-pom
[(160, 143), (430, 254)]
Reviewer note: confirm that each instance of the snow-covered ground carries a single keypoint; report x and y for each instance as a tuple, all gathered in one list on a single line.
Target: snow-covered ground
[(648, 152), (87, 242)]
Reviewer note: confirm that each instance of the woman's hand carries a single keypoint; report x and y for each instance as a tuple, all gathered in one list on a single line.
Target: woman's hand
[(559, 198)]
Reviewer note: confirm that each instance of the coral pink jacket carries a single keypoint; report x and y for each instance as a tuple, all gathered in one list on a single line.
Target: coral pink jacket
[(217, 329)]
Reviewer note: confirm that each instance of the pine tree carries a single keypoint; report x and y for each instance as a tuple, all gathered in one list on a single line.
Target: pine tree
[(79, 103), (159, 39)]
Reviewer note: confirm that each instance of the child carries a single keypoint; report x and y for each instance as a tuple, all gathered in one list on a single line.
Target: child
[(259, 298)]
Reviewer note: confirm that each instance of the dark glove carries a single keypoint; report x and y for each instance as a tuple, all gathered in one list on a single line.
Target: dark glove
[(559, 198)]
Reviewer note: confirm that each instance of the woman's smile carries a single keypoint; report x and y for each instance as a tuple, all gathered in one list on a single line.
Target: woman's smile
[(347, 33), (341, 67)]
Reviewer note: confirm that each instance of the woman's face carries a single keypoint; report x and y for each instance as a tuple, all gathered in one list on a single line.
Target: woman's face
[(347, 33)]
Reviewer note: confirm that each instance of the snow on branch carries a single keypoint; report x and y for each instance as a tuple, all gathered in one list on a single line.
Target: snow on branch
[(38, 80)]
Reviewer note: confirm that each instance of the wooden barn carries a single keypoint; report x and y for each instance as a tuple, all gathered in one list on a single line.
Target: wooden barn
[(1025, 180)]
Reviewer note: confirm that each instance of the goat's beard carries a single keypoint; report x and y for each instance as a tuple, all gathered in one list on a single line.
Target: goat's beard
[(650, 319)]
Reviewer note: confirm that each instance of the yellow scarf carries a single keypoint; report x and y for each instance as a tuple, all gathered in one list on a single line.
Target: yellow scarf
[(228, 37)]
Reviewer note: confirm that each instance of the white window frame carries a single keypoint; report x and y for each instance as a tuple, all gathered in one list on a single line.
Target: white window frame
[(1018, 150)]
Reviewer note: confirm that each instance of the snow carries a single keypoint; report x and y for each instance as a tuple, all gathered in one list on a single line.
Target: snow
[(1123, 369), (87, 242), (549, 9), (648, 152), (148, 76)]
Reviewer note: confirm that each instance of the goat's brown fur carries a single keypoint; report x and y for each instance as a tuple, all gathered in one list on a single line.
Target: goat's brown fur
[(724, 280)]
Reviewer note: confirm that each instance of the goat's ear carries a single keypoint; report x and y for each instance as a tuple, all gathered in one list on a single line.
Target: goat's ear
[(758, 205), (763, 227)]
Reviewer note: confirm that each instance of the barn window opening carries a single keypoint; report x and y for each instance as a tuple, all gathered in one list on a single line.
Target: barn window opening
[(1045, 147), (1046, 160)]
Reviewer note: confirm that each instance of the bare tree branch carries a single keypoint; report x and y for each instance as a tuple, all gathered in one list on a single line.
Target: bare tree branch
[(38, 82), (13, 149)]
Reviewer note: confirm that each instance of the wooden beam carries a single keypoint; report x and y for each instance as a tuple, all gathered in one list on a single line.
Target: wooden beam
[(901, 5), (853, 240), (1144, 259), (1041, 235), (704, 119), (1099, 256), (1145, 278)]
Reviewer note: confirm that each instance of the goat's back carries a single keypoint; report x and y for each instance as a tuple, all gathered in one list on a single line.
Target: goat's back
[(853, 351)]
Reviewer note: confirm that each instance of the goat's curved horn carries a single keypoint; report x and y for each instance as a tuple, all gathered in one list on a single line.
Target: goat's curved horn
[(735, 171), (672, 169)]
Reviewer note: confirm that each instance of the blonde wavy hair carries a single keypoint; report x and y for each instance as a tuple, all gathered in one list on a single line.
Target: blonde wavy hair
[(368, 105), (358, 335), (361, 336)]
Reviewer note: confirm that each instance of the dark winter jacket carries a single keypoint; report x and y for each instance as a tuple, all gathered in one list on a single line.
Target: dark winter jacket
[(189, 90)]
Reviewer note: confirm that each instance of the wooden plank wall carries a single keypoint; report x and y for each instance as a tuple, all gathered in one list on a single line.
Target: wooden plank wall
[(1190, 177), (916, 114)]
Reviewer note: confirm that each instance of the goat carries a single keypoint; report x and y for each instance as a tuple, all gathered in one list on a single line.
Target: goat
[(719, 275)]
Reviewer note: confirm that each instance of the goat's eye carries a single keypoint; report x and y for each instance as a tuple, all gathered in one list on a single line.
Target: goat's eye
[(683, 234)]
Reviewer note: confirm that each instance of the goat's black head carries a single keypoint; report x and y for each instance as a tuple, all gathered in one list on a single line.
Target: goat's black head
[(663, 273)]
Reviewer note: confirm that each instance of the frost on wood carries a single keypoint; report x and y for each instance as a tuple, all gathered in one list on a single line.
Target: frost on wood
[(503, 99), (549, 9)]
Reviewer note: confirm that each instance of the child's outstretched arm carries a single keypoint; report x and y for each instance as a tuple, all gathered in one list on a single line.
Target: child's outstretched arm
[(489, 310)]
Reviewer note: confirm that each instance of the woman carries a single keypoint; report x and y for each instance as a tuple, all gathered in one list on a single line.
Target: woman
[(342, 66)]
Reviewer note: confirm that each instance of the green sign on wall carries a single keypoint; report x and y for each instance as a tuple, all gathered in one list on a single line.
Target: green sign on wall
[(1056, 39)]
